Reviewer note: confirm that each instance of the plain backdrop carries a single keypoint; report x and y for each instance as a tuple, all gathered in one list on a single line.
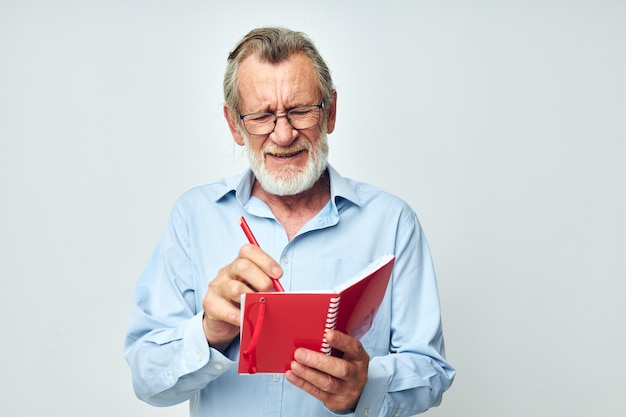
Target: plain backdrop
[(503, 123)]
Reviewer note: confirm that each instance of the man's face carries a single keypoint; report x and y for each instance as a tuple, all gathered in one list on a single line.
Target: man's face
[(286, 161)]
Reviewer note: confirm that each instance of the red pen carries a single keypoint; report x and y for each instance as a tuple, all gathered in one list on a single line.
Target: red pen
[(253, 241)]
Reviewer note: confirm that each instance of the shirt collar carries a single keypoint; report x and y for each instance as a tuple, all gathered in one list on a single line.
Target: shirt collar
[(241, 186)]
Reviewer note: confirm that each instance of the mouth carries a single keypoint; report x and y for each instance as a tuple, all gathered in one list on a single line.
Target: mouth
[(286, 154)]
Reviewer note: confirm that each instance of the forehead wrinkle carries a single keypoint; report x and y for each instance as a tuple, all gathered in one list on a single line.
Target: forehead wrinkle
[(277, 87)]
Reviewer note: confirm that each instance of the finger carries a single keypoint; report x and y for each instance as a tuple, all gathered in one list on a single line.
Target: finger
[(350, 346), (318, 367), (265, 262), (256, 268), (316, 383), (220, 309), (219, 333), (231, 281), (241, 276), (220, 321), (336, 395), (338, 382)]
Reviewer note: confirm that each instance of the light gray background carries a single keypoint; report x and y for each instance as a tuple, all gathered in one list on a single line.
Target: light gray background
[(503, 123)]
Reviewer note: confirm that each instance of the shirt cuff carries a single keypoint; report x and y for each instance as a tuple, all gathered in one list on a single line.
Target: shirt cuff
[(198, 353), (374, 392)]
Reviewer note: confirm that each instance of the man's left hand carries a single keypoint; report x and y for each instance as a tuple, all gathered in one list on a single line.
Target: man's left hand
[(337, 382)]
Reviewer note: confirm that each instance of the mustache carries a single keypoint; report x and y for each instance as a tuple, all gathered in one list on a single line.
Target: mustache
[(292, 149)]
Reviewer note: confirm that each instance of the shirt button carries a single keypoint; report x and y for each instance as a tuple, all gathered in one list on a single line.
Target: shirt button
[(219, 366), (199, 356), (276, 378), (285, 260), (366, 412)]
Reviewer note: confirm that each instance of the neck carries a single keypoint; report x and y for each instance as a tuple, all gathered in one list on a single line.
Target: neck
[(293, 211)]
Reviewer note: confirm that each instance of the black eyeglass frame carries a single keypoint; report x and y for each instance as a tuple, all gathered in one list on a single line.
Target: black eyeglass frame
[(277, 116)]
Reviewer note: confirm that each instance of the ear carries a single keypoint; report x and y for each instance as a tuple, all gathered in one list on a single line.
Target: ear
[(230, 117), (332, 114)]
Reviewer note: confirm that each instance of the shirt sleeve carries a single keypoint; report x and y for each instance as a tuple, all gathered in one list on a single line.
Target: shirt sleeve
[(413, 376), (168, 354)]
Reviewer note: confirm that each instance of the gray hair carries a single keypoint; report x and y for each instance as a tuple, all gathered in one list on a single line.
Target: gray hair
[(274, 45)]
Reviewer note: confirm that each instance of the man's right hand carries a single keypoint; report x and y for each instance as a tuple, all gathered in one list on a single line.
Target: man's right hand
[(251, 271)]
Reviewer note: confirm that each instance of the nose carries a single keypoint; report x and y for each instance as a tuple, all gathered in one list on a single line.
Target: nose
[(284, 134)]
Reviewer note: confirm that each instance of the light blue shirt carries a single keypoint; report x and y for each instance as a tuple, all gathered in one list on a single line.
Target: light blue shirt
[(167, 351)]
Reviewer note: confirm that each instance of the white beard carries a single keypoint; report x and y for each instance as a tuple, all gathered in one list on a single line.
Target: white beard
[(290, 180)]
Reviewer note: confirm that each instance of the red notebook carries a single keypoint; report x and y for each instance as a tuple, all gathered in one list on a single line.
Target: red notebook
[(274, 324)]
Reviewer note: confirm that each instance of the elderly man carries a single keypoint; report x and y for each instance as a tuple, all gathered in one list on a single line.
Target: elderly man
[(316, 229)]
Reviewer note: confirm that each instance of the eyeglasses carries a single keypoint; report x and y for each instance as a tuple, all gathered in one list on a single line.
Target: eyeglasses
[(299, 118)]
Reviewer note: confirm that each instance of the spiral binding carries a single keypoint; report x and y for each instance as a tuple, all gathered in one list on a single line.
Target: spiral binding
[(331, 321)]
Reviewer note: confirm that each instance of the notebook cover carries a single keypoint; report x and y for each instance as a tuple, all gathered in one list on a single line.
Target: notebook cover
[(292, 320), (360, 302), (299, 319)]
